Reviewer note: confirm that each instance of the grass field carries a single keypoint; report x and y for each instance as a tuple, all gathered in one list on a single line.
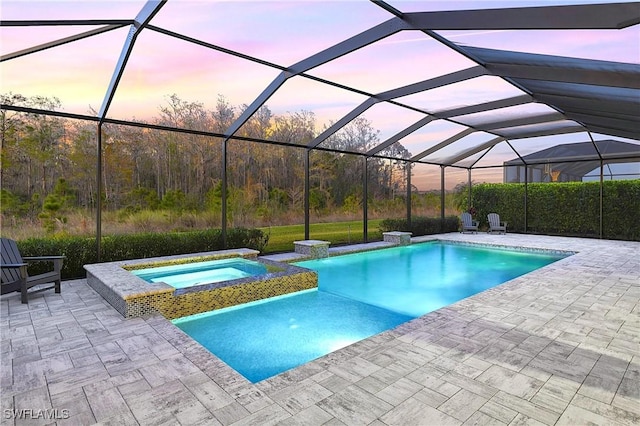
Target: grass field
[(281, 238)]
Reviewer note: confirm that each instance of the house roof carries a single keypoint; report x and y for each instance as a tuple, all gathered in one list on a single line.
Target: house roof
[(579, 159)]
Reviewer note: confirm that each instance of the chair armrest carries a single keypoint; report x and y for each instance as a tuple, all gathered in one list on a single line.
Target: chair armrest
[(12, 265), (57, 261), (41, 258), (474, 223)]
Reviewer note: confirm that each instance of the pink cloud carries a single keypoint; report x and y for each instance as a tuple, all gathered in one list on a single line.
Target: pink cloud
[(283, 32)]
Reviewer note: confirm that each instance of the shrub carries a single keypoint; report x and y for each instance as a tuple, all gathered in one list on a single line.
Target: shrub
[(564, 208), (421, 225), (80, 251)]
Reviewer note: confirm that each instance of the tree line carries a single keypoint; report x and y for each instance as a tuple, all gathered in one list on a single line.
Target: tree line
[(49, 162)]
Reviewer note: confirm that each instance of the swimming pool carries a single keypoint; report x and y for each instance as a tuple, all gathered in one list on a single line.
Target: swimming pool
[(262, 339), (421, 278), (376, 290), (196, 273)]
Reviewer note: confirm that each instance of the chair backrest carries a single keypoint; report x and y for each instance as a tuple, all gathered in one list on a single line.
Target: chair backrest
[(467, 219), (9, 253), (494, 219)]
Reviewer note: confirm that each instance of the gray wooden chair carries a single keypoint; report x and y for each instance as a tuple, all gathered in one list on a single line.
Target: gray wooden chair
[(14, 271), (495, 225), (468, 224)]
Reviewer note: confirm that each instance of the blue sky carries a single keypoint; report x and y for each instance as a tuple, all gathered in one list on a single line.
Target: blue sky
[(280, 32)]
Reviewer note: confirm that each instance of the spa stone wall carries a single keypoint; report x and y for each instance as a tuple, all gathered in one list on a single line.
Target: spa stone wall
[(133, 297), (196, 302)]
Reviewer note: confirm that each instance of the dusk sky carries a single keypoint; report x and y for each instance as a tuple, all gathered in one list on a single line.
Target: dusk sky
[(282, 33)]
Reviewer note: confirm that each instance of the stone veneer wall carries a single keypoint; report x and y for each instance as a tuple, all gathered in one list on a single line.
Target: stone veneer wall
[(134, 297), (135, 305), (196, 302), (397, 237), (147, 304), (107, 293), (315, 249)]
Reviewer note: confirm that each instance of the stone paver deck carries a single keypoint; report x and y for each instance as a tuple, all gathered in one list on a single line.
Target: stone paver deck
[(558, 346)]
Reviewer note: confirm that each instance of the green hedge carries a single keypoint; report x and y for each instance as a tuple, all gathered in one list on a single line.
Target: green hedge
[(421, 225), (505, 199), (563, 208), (80, 251)]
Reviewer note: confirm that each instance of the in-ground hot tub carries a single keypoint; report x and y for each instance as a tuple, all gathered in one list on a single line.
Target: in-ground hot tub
[(132, 296), (197, 273)]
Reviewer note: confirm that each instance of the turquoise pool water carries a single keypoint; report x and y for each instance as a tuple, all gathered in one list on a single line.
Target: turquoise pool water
[(420, 278), (262, 339), (196, 273), (359, 295)]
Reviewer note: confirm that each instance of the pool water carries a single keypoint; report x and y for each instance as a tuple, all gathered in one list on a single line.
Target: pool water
[(359, 295), (421, 278), (262, 339), (196, 273)]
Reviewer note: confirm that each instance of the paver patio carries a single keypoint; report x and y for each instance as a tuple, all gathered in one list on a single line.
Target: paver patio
[(560, 345)]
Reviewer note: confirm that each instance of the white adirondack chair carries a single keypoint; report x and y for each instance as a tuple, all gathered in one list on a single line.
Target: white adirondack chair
[(468, 224), (495, 225)]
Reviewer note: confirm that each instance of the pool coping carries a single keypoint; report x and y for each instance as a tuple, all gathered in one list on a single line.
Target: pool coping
[(525, 249), (379, 245)]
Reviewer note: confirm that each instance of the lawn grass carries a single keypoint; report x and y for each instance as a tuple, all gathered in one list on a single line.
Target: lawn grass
[(281, 238)]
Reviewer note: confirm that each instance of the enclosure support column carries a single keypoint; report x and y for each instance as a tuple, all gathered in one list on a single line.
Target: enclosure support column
[(408, 165), (600, 225), (469, 203), (601, 195), (526, 199), (99, 195), (442, 192), (224, 193), (307, 162), (365, 196)]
